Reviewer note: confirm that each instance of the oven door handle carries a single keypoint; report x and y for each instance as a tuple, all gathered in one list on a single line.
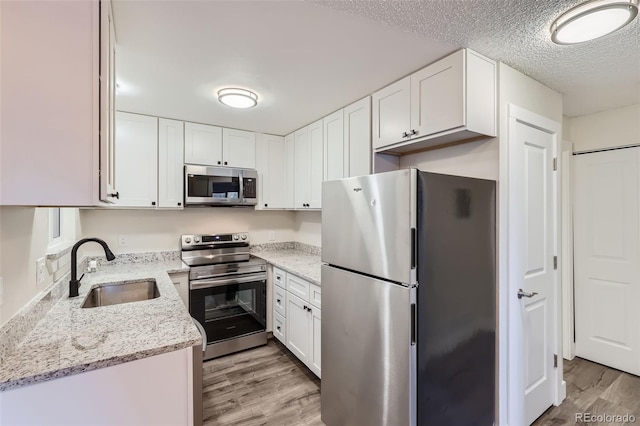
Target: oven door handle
[(196, 285)]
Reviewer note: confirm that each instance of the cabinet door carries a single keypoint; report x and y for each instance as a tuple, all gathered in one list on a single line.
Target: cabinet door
[(289, 147), (298, 326), (274, 178), (313, 361), (202, 144), (315, 168), (136, 159), (107, 108), (170, 163), (357, 138), (333, 133), (391, 113), (301, 168), (437, 96), (238, 148)]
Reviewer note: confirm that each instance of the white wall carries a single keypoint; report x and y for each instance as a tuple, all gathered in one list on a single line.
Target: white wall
[(24, 238), (308, 228), (607, 129), (478, 159), (154, 230)]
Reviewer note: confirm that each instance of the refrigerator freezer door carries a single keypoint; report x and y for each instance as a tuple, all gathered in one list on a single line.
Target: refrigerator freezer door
[(367, 224), (367, 357)]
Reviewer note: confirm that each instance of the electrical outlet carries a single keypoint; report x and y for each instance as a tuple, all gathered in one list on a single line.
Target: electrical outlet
[(41, 269), (272, 235), (123, 240)]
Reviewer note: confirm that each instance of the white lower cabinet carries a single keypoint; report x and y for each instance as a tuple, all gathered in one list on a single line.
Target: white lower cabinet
[(297, 317), (181, 281)]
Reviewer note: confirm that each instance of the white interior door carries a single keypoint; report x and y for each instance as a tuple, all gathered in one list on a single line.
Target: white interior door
[(607, 258), (533, 270)]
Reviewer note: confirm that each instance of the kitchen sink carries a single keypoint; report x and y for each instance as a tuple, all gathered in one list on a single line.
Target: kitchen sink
[(115, 294)]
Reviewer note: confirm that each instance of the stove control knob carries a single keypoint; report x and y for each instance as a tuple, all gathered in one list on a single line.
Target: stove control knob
[(187, 240), (244, 236), (196, 239), (235, 237)]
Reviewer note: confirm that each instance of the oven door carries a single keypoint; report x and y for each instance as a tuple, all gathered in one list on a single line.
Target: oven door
[(230, 307)]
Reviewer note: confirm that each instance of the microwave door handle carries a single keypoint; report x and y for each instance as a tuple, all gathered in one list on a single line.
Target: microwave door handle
[(200, 284), (241, 179)]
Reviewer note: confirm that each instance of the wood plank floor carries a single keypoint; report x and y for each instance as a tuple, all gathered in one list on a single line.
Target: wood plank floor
[(269, 386), (262, 386), (595, 389)]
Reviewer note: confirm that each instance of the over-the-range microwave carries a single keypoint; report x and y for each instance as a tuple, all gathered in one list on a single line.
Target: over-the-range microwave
[(219, 186)]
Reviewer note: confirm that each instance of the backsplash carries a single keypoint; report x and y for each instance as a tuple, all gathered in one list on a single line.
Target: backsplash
[(127, 258), (289, 245)]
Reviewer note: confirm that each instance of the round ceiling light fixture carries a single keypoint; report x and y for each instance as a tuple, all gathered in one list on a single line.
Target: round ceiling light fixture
[(592, 19), (238, 98)]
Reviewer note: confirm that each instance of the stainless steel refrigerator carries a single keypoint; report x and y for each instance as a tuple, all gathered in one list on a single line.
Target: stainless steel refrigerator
[(408, 300)]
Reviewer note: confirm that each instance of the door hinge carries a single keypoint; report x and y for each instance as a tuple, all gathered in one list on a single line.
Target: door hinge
[(555, 164), (555, 262), (555, 361)]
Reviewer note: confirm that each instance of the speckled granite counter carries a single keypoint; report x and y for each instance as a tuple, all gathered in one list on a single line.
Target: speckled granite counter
[(71, 340), (292, 257)]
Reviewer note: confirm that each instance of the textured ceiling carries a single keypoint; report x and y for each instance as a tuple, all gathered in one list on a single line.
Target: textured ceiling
[(304, 61), (307, 59), (593, 76)]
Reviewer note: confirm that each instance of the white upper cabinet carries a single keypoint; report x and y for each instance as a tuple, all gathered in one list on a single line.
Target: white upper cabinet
[(316, 168), (108, 108), (391, 113), (136, 160), (357, 138), (170, 163), (217, 146), (202, 144), (238, 148), (334, 152), (51, 102), (451, 100), (273, 172), (302, 174), (289, 151)]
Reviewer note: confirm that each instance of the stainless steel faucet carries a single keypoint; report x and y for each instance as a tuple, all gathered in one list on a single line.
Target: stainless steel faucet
[(74, 283)]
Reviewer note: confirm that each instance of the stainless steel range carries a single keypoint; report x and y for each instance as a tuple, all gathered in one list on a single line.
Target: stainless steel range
[(228, 291)]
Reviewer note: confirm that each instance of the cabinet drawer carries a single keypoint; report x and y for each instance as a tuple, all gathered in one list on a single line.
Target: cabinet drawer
[(280, 300), (279, 329), (298, 287), (279, 277), (315, 298)]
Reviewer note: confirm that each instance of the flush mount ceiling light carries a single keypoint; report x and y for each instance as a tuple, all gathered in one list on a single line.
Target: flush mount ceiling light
[(238, 98), (592, 19)]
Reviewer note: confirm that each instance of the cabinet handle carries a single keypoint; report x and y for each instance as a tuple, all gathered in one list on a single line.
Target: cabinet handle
[(225, 163), (219, 162), (265, 204), (309, 309), (153, 203), (278, 300), (179, 204), (278, 327), (115, 195), (413, 132), (305, 307), (405, 134)]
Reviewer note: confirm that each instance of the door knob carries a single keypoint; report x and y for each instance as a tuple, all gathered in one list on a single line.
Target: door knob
[(522, 293)]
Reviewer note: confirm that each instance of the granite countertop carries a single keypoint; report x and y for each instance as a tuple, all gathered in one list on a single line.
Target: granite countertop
[(298, 262), (71, 340)]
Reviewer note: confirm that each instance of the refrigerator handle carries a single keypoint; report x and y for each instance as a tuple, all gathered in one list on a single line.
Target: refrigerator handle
[(413, 324), (413, 248)]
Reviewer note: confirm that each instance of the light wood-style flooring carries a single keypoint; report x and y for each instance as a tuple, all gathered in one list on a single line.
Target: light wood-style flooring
[(595, 389), (269, 386), (262, 386)]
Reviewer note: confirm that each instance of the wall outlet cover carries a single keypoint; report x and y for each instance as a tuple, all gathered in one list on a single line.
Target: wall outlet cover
[(123, 240), (272, 235), (41, 271)]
